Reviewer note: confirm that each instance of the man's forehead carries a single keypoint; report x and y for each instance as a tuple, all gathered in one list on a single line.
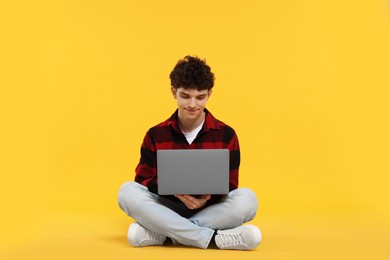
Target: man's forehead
[(192, 91)]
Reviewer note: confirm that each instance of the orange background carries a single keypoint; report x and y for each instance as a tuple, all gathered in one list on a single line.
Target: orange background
[(304, 83)]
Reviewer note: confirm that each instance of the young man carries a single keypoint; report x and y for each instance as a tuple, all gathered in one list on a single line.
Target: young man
[(189, 220)]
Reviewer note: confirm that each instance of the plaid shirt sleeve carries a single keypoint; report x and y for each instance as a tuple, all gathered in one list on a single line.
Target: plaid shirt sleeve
[(146, 170), (235, 158)]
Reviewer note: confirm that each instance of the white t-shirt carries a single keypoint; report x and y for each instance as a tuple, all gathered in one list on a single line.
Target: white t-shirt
[(191, 135)]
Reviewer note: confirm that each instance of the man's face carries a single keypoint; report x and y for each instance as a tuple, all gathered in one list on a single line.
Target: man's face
[(191, 102)]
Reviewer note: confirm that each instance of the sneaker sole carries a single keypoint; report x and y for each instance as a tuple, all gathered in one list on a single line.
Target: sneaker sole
[(257, 237), (131, 233)]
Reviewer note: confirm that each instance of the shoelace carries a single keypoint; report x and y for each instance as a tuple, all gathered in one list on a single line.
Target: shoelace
[(154, 236), (230, 239)]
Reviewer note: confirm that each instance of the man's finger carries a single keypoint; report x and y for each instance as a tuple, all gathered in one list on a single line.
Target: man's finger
[(186, 201)]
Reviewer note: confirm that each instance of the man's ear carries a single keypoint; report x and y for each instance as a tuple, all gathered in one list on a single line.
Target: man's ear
[(173, 90), (210, 92)]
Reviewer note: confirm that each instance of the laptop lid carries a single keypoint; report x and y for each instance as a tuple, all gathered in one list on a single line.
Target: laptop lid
[(193, 171)]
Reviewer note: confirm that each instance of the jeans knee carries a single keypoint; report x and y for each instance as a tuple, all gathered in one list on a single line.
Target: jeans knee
[(246, 205), (127, 195), (251, 198)]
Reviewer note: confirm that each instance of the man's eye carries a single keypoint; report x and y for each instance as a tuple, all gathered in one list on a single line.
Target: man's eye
[(201, 98)]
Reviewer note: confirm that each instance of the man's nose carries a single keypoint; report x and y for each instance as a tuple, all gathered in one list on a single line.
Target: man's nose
[(192, 102)]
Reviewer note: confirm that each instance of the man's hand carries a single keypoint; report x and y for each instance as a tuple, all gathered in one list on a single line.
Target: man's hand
[(194, 203)]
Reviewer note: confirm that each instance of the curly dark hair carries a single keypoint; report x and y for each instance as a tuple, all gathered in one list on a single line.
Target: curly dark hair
[(192, 73)]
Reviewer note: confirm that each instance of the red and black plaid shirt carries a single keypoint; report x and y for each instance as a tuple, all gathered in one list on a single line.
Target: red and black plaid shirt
[(167, 135)]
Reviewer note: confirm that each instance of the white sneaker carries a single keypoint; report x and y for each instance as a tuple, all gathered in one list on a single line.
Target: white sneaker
[(241, 238), (137, 236)]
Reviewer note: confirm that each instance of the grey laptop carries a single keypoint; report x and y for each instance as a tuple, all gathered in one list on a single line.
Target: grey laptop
[(196, 172)]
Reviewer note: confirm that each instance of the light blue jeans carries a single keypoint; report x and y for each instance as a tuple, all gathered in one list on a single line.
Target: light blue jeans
[(165, 217)]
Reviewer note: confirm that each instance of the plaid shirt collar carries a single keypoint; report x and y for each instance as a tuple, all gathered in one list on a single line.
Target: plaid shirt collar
[(210, 122)]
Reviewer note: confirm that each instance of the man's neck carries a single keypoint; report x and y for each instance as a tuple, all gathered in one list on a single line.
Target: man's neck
[(189, 126)]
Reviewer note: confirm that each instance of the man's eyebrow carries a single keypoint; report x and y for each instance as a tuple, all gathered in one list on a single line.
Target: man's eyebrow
[(185, 94)]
